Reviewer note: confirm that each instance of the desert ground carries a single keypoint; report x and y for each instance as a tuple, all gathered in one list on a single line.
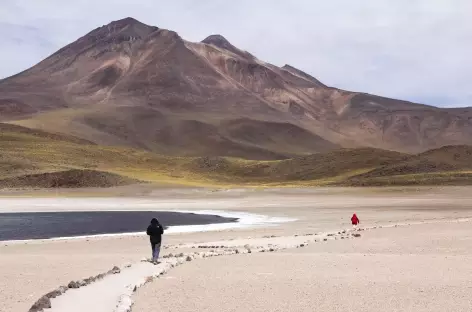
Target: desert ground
[(413, 268), (412, 255)]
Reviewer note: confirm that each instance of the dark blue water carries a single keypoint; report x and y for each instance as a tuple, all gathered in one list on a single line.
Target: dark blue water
[(42, 225)]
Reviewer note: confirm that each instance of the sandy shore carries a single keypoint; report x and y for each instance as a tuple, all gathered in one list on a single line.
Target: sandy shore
[(380, 263)]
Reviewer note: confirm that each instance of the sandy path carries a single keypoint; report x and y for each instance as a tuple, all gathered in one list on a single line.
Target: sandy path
[(414, 268), (28, 271), (114, 291), (109, 289)]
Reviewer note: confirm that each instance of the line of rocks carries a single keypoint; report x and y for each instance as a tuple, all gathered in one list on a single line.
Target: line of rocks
[(45, 301), (125, 302), (211, 247), (226, 250)]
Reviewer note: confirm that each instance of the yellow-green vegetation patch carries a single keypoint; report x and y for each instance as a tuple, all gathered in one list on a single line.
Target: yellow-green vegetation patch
[(26, 154), (74, 178), (436, 178)]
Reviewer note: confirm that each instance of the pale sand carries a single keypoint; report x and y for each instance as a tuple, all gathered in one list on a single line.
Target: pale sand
[(413, 268), (28, 271)]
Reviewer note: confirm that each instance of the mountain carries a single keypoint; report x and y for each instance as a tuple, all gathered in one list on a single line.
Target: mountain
[(130, 84)]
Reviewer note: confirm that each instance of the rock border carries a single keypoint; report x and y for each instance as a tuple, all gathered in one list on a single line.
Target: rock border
[(45, 301), (125, 302)]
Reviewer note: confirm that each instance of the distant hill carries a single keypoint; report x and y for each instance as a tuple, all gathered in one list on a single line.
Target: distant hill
[(73, 178), (35, 159), (142, 87), (446, 165)]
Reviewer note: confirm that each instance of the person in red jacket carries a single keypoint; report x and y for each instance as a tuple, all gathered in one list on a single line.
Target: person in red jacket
[(355, 220)]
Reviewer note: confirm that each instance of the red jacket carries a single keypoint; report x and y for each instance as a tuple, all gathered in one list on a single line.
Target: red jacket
[(355, 220)]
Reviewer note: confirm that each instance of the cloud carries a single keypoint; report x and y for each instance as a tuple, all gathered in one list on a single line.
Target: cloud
[(411, 49)]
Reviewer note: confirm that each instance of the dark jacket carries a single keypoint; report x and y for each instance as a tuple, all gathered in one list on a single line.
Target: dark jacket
[(155, 232)]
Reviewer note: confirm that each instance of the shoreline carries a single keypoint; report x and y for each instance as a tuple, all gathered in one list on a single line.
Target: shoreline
[(243, 220)]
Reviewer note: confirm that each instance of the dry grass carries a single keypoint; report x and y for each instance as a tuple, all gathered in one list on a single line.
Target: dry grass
[(25, 153), (437, 178), (449, 165), (73, 178)]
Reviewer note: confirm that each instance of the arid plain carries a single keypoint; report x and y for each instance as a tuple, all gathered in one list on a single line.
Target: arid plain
[(415, 247)]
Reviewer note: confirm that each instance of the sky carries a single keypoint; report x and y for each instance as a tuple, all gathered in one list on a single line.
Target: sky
[(416, 50)]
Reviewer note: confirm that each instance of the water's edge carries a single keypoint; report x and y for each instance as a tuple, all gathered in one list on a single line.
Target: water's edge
[(236, 220)]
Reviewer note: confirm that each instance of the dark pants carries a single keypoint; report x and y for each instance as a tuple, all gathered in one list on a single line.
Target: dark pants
[(156, 249)]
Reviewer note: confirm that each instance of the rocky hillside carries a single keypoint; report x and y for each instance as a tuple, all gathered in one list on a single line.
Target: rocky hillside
[(130, 84)]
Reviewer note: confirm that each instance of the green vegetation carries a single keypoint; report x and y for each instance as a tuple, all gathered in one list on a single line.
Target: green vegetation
[(39, 159)]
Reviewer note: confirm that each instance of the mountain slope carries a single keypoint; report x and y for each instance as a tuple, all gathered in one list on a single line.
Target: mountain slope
[(130, 84)]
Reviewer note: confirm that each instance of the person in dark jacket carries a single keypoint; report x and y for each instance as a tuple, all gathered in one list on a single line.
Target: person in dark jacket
[(155, 231)]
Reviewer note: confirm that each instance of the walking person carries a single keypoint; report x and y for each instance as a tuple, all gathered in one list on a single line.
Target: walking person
[(355, 221), (155, 231)]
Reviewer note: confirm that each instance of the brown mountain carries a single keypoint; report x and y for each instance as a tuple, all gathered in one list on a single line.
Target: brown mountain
[(127, 83)]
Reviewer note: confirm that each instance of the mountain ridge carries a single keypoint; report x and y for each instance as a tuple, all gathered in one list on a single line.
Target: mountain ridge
[(130, 84)]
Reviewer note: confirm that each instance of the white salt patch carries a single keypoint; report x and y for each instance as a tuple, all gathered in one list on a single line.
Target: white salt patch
[(245, 220)]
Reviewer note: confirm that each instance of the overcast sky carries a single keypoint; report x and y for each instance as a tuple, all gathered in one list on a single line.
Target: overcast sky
[(417, 50)]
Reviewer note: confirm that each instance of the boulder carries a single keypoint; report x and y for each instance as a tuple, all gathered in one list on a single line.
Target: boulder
[(43, 303), (73, 284), (89, 280), (57, 292), (100, 276)]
